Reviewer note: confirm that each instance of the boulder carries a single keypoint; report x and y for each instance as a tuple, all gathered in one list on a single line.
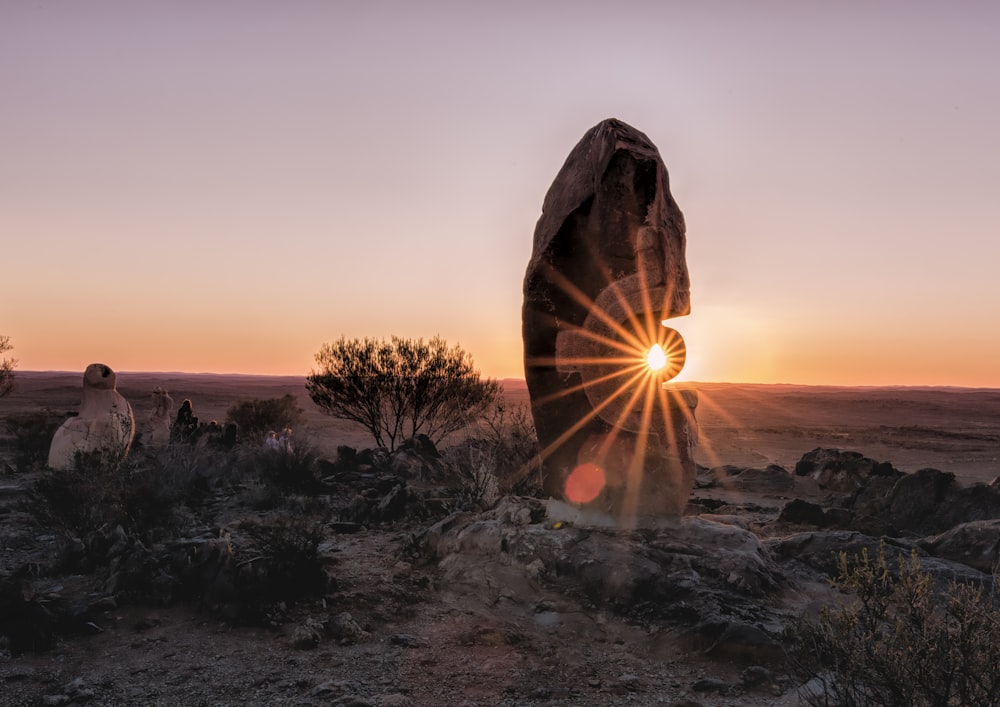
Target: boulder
[(976, 544), (840, 470), (687, 567)]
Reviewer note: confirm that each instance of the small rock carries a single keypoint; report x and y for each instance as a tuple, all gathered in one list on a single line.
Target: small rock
[(345, 629), (711, 685), (629, 681), (307, 635), (405, 640), (756, 675)]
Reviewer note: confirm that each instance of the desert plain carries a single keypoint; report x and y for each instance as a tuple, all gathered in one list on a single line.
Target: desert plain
[(415, 637), (947, 428)]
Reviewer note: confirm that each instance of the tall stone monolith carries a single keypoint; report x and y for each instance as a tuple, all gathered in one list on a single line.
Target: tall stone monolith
[(606, 269)]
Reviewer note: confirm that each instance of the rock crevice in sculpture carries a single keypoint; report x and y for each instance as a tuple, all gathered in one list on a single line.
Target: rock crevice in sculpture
[(607, 268)]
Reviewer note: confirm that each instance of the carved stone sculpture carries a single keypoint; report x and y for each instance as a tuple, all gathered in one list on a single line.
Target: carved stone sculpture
[(160, 418), (105, 423), (606, 269)]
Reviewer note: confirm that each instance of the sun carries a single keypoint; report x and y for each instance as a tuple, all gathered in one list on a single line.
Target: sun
[(656, 359), (620, 357), (664, 356)]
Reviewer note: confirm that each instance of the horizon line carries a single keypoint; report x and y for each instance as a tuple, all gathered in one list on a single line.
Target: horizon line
[(522, 380)]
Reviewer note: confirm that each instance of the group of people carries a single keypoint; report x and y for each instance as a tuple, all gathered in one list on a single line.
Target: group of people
[(186, 428), (281, 443)]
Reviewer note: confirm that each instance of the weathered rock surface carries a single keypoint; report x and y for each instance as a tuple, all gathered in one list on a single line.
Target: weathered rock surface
[(105, 423), (841, 470), (697, 572), (976, 544), (873, 498), (606, 268)]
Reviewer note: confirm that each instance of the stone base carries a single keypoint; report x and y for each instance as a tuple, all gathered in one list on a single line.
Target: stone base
[(560, 512)]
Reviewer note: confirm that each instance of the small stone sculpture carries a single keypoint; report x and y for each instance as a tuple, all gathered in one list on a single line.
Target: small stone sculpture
[(606, 269), (160, 418), (104, 425)]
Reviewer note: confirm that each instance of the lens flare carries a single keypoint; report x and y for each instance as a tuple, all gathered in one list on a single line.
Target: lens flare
[(656, 359), (585, 483)]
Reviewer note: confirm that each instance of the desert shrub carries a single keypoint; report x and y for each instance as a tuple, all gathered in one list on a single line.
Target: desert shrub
[(7, 366), (145, 496), (498, 456), (32, 434), (400, 388), (900, 641), (292, 469), (255, 417), (83, 499), (283, 563)]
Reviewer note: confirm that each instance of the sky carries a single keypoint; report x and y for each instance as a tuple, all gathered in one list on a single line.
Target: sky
[(223, 186)]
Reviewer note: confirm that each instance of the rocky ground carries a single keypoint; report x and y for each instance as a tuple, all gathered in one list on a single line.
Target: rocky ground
[(233, 578), (419, 598)]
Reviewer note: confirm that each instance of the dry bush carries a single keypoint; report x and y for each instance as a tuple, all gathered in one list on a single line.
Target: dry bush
[(400, 388), (32, 434), (7, 366), (499, 455), (899, 641), (146, 495), (255, 417), (276, 472)]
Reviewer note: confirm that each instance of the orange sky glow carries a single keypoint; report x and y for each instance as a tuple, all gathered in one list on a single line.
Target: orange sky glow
[(224, 187)]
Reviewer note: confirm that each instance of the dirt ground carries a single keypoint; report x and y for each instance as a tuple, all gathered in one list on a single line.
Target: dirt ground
[(419, 642)]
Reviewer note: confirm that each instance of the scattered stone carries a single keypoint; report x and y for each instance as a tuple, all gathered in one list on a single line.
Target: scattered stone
[(711, 685), (756, 675), (345, 629), (405, 640), (307, 635)]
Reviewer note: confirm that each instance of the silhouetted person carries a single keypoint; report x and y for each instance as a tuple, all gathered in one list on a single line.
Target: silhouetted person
[(285, 440), (230, 435), (186, 425)]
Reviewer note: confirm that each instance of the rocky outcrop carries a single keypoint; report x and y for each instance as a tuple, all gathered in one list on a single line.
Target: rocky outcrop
[(976, 544), (840, 470), (690, 570)]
